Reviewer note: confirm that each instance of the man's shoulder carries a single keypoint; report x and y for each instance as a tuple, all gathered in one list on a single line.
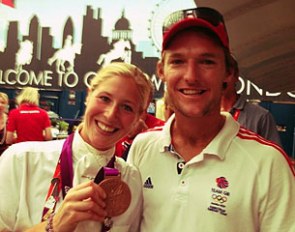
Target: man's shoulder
[(259, 149), (151, 137), (254, 143), (153, 132)]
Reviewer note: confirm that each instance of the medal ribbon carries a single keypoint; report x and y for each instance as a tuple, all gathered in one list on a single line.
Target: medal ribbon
[(63, 178), (109, 170)]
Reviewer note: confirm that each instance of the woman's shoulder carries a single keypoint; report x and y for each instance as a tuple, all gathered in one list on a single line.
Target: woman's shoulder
[(35, 150)]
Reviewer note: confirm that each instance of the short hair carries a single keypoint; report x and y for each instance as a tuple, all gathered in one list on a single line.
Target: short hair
[(4, 96), (28, 95), (235, 65), (125, 70)]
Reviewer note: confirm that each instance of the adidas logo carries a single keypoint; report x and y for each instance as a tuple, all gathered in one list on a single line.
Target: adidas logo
[(148, 183)]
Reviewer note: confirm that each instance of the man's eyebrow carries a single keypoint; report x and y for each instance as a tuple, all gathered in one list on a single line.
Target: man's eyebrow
[(209, 55), (174, 54)]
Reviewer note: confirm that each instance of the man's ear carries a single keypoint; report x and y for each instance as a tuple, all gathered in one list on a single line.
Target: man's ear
[(160, 70), (230, 77)]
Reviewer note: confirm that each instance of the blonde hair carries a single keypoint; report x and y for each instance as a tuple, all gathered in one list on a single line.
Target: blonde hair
[(28, 95), (4, 96), (124, 70)]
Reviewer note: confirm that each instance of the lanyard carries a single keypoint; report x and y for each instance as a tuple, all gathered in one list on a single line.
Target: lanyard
[(236, 114), (63, 177)]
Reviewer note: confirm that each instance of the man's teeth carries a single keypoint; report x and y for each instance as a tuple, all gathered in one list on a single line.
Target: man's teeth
[(105, 128), (192, 91)]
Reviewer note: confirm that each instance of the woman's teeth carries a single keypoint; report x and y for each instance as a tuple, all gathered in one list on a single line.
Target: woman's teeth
[(105, 128)]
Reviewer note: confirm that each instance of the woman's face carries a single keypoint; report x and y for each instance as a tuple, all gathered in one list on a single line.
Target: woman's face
[(111, 111)]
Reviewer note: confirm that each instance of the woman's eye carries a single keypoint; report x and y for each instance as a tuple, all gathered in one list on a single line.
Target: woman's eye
[(127, 108), (104, 98)]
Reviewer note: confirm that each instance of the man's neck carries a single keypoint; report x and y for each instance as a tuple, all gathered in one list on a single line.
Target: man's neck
[(190, 137)]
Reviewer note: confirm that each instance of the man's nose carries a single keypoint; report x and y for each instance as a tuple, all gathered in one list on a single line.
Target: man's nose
[(191, 73)]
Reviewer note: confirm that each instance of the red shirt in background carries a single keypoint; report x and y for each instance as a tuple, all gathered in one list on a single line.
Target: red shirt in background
[(29, 122)]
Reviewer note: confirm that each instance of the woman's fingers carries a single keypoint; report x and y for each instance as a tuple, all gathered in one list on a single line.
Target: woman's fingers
[(85, 191), (83, 202), (88, 205)]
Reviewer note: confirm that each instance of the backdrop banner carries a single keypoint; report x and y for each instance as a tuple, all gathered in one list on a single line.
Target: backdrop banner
[(58, 45)]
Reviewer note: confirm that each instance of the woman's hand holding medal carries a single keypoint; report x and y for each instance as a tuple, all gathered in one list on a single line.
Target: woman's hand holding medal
[(83, 202)]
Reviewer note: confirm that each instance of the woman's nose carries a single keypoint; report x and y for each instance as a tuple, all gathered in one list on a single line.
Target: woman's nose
[(112, 111)]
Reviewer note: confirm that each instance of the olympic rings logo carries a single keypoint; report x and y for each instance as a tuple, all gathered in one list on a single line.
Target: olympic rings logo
[(219, 198)]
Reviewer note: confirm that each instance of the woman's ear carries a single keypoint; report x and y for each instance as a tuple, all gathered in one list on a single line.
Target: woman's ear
[(160, 70)]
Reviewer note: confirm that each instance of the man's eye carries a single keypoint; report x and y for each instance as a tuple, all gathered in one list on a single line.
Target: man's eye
[(207, 61), (176, 61)]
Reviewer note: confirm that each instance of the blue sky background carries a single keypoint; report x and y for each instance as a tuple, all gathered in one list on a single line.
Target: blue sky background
[(54, 13)]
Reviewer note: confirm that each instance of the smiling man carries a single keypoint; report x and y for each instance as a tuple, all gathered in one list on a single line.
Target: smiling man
[(202, 171)]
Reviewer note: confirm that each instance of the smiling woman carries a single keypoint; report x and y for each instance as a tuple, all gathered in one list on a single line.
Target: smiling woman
[(116, 99)]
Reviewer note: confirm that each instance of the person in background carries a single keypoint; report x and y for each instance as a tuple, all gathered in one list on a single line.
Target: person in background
[(202, 171), (116, 100), (168, 109), (51, 114), (164, 109), (146, 122), (28, 122), (249, 115), (3, 120)]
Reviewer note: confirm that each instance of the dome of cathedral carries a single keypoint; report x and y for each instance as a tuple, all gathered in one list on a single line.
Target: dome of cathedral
[(122, 23)]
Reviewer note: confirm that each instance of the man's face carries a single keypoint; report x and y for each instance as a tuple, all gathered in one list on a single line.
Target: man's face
[(194, 71)]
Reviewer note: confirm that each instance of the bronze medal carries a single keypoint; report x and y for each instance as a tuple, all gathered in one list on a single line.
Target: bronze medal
[(118, 196)]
